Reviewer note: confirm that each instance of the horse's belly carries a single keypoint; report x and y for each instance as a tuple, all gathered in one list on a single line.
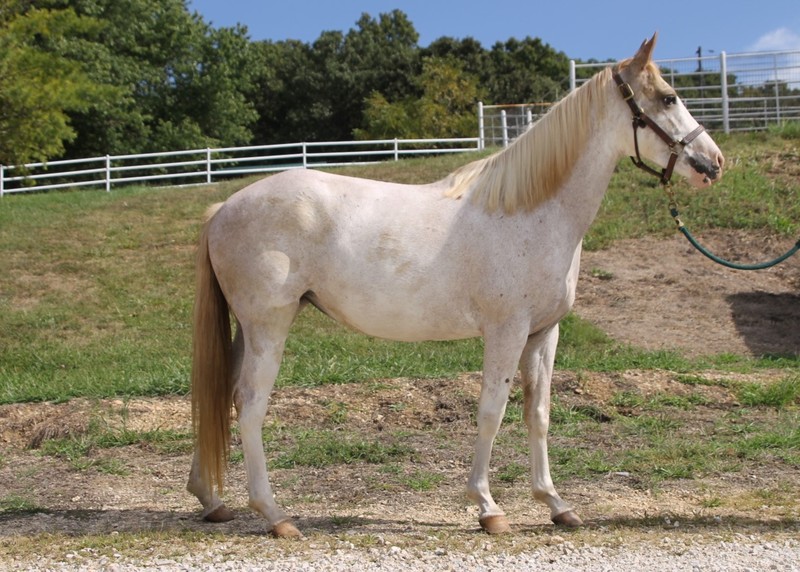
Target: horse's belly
[(406, 319)]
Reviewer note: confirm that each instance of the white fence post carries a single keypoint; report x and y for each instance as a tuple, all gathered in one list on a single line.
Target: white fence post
[(504, 126), (305, 156), (572, 78), (481, 127), (723, 69), (396, 149), (777, 90), (108, 173), (208, 165), (2, 176)]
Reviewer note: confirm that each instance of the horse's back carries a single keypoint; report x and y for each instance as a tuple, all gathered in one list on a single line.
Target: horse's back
[(309, 209)]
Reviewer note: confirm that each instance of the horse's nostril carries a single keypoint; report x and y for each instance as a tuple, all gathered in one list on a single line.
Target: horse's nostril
[(705, 166)]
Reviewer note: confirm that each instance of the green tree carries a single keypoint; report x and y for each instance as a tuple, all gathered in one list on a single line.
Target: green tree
[(181, 83), (286, 94), (446, 107), (469, 52), (38, 90), (317, 92), (525, 71), (379, 55)]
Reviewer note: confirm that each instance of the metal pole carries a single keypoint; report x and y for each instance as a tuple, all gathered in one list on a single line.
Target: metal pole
[(108, 173), (777, 90), (504, 126), (723, 70), (396, 150), (572, 79), (481, 127), (305, 157)]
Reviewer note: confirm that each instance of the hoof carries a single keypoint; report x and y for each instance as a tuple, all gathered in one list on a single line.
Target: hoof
[(219, 514), (568, 519), (495, 524), (285, 529)]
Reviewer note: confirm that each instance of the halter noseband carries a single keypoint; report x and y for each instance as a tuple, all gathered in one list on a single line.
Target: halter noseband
[(642, 120)]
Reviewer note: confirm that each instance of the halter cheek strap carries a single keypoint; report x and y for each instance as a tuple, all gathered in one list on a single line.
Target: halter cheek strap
[(642, 120)]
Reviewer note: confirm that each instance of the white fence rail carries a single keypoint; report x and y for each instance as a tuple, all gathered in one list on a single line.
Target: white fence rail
[(207, 165), (501, 124), (730, 92), (725, 92)]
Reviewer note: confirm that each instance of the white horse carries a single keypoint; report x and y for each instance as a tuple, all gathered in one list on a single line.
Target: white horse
[(492, 250)]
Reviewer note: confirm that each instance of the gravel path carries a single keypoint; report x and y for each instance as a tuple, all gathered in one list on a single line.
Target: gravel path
[(741, 555)]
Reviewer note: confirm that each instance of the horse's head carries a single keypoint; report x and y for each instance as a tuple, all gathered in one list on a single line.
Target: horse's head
[(663, 129)]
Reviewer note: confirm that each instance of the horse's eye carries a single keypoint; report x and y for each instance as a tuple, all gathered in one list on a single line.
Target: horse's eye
[(670, 100)]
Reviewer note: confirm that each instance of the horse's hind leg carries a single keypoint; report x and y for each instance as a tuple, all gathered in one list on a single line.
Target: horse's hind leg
[(537, 370), (264, 341), (214, 510)]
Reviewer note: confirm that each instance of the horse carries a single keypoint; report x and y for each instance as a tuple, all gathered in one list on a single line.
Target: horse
[(492, 250)]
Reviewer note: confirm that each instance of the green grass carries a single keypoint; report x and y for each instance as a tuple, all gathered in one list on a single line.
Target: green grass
[(512, 472), (80, 450), (16, 504), (655, 447), (325, 448), (422, 480), (96, 288), (755, 192), (777, 394), (659, 437)]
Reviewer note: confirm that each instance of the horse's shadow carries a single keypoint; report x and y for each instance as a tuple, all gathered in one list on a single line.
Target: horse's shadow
[(768, 323), (79, 523)]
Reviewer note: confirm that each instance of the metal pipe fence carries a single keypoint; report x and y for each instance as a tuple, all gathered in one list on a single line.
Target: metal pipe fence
[(198, 166), (726, 92), (729, 92)]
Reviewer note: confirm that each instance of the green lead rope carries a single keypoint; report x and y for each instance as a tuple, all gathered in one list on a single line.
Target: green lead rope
[(673, 209)]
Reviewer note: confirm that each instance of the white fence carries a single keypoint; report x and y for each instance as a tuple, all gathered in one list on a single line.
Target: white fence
[(730, 92), (726, 92), (207, 165), (500, 124)]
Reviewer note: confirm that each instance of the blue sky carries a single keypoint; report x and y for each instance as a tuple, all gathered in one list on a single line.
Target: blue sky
[(581, 29)]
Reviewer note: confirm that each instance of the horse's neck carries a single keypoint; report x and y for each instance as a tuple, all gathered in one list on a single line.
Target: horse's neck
[(585, 188)]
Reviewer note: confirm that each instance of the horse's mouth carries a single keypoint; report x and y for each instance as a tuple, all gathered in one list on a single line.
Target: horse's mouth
[(705, 167)]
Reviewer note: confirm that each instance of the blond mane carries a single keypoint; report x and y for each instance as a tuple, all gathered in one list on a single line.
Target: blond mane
[(533, 168)]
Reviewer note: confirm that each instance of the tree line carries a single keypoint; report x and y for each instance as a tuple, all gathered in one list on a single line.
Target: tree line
[(82, 78)]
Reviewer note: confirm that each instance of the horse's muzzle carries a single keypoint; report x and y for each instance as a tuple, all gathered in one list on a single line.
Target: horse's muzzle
[(705, 167)]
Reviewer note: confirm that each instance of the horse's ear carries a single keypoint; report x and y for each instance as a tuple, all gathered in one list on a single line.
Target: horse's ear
[(645, 53)]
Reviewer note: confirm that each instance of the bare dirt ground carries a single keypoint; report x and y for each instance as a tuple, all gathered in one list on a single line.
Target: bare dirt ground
[(652, 293), (663, 294)]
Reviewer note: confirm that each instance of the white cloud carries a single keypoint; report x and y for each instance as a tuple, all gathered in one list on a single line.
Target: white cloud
[(777, 40)]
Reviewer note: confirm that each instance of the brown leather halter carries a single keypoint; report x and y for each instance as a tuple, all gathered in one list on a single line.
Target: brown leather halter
[(642, 120)]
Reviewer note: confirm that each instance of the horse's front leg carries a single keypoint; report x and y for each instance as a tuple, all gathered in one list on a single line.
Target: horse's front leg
[(501, 354), (537, 370)]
